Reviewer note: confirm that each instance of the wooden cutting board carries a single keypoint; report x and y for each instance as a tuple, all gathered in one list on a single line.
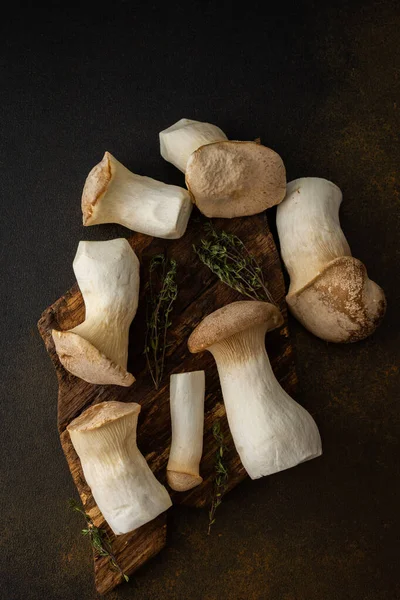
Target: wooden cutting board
[(199, 293)]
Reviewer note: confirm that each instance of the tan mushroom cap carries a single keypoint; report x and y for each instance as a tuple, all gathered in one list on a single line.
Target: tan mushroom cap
[(182, 482), (235, 179), (101, 414), (233, 318), (95, 186), (82, 359), (341, 304)]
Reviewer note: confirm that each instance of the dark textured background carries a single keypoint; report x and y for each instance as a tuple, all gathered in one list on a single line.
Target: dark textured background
[(321, 86)]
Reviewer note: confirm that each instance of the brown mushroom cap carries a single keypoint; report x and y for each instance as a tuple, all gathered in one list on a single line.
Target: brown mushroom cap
[(100, 414), (231, 319), (82, 359), (234, 179), (341, 304), (95, 186)]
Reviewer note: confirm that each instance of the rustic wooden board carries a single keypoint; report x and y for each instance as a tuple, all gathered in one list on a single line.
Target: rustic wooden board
[(200, 293)]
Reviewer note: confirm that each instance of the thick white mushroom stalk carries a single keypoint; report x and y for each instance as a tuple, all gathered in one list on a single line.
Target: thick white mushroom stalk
[(187, 423), (113, 194), (270, 430), (330, 292), (309, 229), (122, 483), (184, 137), (108, 277)]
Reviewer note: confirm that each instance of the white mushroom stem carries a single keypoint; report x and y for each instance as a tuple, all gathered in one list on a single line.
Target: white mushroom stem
[(309, 229), (122, 484), (113, 194), (108, 277), (187, 422), (183, 138), (270, 430)]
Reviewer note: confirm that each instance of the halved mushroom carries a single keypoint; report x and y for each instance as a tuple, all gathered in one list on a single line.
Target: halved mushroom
[(187, 423), (270, 430), (97, 349), (113, 194), (330, 292), (226, 178), (122, 483)]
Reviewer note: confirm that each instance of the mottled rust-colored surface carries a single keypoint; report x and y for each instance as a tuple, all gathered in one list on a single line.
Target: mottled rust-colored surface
[(200, 293), (319, 82)]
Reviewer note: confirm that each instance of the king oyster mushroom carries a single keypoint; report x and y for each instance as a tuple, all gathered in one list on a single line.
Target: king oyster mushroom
[(113, 194), (270, 430), (226, 178), (330, 292), (97, 349), (122, 483)]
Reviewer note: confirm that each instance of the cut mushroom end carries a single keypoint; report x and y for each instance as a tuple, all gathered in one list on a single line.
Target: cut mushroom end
[(182, 482), (341, 304), (234, 179), (83, 360), (95, 187), (102, 414)]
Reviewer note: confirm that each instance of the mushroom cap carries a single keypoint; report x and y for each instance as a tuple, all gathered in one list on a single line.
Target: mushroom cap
[(231, 319), (96, 186), (82, 359), (101, 414), (182, 482), (234, 179), (341, 304)]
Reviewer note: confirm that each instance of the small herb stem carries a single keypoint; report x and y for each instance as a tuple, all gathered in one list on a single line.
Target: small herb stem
[(227, 256), (162, 291), (221, 475), (99, 539)]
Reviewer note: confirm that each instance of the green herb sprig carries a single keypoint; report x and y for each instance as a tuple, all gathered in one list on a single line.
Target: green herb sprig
[(99, 539), (161, 293), (227, 256), (221, 474)]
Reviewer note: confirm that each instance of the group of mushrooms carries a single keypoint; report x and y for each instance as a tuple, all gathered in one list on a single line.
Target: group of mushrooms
[(330, 294)]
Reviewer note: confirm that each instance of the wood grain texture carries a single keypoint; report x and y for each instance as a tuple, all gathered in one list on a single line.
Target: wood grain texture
[(199, 293)]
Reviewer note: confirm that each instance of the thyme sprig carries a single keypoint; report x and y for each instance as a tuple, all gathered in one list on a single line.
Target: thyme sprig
[(221, 474), (99, 539), (161, 292), (227, 256)]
